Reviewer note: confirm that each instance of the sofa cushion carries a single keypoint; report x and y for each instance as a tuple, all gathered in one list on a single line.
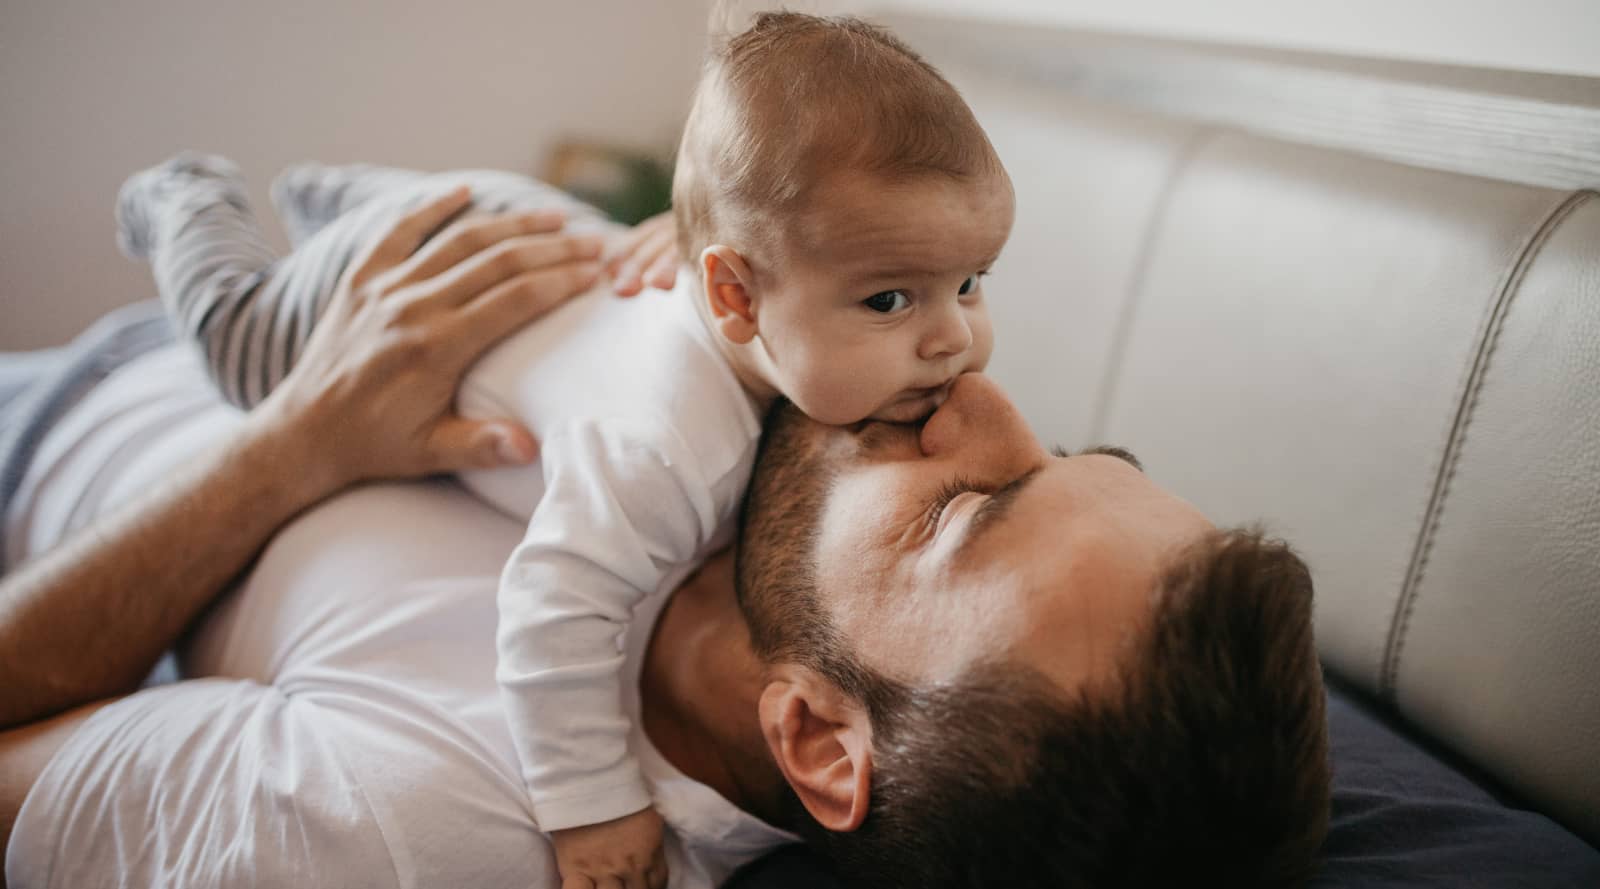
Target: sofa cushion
[(1495, 650)]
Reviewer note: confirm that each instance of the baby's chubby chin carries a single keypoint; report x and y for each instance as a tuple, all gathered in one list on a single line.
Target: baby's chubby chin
[(912, 405)]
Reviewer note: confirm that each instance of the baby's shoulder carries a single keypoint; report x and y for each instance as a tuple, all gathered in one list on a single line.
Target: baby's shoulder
[(641, 367)]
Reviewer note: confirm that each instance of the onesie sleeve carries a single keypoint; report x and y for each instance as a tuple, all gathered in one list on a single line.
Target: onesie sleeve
[(621, 510)]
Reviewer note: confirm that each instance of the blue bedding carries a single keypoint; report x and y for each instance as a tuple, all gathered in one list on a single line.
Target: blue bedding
[(37, 388)]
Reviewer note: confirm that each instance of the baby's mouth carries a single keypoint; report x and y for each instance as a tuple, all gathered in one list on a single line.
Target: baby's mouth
[(915, 405), (937, 394)]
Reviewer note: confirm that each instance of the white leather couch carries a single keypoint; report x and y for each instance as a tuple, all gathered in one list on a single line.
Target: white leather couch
[(1396, 368)]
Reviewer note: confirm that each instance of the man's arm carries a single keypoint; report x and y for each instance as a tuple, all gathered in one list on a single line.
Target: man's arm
[(371, 398), (92, 616)]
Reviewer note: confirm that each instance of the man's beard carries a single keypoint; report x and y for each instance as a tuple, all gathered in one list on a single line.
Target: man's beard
[(776, 586), (775, 566)]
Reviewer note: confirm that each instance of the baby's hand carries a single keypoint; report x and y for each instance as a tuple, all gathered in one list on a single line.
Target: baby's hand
[(647, 256), (622, 852)]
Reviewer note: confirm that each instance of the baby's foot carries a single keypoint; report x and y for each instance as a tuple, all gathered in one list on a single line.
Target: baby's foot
[(171, 191)]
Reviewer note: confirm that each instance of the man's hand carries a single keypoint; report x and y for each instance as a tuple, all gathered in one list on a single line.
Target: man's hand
[(647, 255), (372, 395), (624, 853)]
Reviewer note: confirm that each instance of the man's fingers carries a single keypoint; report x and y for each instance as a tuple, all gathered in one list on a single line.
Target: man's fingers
[(576, 881), (456, 443), (408, 232), (513, 303), (503, 262), (470, 236)]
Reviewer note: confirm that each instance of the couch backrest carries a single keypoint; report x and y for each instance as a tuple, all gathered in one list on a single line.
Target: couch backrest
[(1395, 368)]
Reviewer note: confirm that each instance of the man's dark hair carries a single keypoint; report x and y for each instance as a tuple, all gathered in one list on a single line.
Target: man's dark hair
[(1204, 764)]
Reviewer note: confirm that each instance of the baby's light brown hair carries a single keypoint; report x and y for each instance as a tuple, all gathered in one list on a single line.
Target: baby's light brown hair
[(796, 97)]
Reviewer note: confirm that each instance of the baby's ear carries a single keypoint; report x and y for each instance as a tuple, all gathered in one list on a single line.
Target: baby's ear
[(729, 293)]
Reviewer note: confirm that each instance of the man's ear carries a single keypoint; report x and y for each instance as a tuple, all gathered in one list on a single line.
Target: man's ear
[(728, 293), (822, 742)]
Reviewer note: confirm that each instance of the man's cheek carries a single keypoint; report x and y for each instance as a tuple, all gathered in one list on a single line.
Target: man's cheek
[(862, 525)]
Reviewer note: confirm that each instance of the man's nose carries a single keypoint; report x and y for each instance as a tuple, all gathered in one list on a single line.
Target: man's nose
[(949, 335), (979, 423)]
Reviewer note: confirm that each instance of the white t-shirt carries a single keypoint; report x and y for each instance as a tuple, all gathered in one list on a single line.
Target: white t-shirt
[(349, 731)]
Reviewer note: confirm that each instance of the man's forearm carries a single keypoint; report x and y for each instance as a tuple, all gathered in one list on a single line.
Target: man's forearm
[(89, 618)]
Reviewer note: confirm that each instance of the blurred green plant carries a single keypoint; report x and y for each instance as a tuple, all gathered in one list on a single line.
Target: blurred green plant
[(629, 186)]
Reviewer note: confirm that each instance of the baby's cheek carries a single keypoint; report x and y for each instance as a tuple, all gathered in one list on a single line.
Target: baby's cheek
[(830, 394), (841, 387)]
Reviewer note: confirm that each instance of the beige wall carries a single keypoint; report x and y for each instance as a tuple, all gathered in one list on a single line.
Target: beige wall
[(90, 91)]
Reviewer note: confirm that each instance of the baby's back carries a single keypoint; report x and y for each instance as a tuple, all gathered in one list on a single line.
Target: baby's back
[(645, 361)]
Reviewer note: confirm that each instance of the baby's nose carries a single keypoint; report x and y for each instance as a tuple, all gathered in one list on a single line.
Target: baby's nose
[(950, 336)]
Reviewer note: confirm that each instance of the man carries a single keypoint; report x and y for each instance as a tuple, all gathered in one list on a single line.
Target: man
[(954, 659), (990, 665)]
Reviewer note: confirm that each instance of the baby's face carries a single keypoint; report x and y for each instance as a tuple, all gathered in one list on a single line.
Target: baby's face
[(879, 304)]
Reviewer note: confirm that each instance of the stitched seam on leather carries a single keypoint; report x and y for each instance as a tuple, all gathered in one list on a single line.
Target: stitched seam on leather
[(1488, 338), (1123, 332)]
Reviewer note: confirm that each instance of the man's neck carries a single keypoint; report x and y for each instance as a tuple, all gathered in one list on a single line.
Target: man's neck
[(699, 688)]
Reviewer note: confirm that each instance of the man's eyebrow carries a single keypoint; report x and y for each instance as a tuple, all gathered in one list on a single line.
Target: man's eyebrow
[(995, 508), (1122, 454)]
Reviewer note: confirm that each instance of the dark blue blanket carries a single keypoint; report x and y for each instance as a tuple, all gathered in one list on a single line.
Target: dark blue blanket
[(1403, 818)]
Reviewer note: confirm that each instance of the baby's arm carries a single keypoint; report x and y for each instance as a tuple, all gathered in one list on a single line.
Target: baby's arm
[(621, 510)]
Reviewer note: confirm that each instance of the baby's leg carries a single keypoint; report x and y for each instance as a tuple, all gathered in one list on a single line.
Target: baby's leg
[(250, 313), (213, 269), (309, 196)]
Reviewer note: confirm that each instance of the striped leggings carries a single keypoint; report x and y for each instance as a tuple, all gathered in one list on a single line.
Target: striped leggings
[(249, 311)]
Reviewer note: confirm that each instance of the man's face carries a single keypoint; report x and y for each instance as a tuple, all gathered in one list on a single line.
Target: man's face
[(963, 540)]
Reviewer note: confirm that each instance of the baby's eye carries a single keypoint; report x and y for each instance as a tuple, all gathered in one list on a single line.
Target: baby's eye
[(970, 284), (887, 302)]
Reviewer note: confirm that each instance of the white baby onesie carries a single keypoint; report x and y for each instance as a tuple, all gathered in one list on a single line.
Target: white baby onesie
[(647, 443)]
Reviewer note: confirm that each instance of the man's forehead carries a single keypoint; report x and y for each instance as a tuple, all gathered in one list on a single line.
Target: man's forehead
[(1075, 560), (1053, 495), (1095, 519)]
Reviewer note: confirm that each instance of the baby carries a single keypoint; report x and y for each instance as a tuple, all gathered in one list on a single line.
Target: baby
[(838, 204)]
